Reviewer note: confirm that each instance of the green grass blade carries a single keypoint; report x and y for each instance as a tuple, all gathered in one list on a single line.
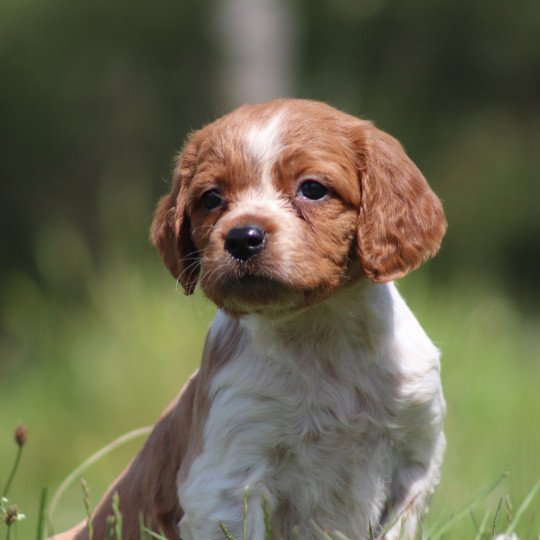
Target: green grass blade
[(109, 528), (268, 535), (508, 508), (13, 472), (118, 521), (153, 534), (88, 509), (497, 512), (83, 467), (142, 526), (465, 510), (521, 510), (244, 517), (393, 519), (482, 526), (226, 531), (42, 516), (322, 532)]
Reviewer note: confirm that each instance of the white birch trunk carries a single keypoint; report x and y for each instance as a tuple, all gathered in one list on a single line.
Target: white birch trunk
[(259, 48)]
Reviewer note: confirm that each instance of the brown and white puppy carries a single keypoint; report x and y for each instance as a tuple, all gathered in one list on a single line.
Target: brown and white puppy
[(318, 393)]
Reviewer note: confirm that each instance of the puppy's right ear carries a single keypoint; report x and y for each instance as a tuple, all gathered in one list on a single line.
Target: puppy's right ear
[(171, 230)]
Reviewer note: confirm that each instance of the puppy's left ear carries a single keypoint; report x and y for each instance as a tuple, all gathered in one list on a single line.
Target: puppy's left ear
[(171, 229), (401, 221)]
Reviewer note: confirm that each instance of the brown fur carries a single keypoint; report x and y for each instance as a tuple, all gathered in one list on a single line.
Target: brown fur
[(400, 220), (171, 232)]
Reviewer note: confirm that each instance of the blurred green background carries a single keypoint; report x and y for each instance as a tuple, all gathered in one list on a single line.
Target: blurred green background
[(95, 99)]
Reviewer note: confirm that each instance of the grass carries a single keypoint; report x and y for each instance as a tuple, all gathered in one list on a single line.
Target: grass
[(81, 370)]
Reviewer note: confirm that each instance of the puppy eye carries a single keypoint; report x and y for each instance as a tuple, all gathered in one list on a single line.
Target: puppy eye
[(311, 189), (212, 199)]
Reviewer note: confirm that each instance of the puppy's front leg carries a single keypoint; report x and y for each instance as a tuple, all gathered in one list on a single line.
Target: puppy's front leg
[(413, 483), (212, 500)]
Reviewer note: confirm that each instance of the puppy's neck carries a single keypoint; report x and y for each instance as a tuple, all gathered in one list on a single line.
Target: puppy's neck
[(357, 315)]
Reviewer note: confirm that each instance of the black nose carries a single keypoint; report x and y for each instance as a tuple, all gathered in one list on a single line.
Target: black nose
[(244, 242)]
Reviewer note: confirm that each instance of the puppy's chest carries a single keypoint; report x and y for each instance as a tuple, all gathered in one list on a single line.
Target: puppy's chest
[(295, 406), (324, 447), (304, 436)]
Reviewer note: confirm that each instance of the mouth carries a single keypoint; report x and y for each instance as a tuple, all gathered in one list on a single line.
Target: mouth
[(254, 293), (254, 287)]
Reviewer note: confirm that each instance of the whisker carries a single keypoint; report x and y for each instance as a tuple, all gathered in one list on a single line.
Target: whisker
[(202, 226)]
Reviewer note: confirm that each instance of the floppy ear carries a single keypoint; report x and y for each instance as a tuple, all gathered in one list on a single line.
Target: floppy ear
[(401, 221), (171, 231)]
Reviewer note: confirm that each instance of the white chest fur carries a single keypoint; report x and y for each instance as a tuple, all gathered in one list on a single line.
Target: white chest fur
[(329, 418)]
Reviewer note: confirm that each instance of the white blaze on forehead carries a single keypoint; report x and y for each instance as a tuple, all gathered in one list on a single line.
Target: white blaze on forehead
[(262, 140)]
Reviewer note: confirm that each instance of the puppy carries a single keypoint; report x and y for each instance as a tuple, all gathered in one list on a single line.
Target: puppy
[(318, 399)]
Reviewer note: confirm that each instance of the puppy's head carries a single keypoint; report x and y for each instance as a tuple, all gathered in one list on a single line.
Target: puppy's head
[(274, 206)]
